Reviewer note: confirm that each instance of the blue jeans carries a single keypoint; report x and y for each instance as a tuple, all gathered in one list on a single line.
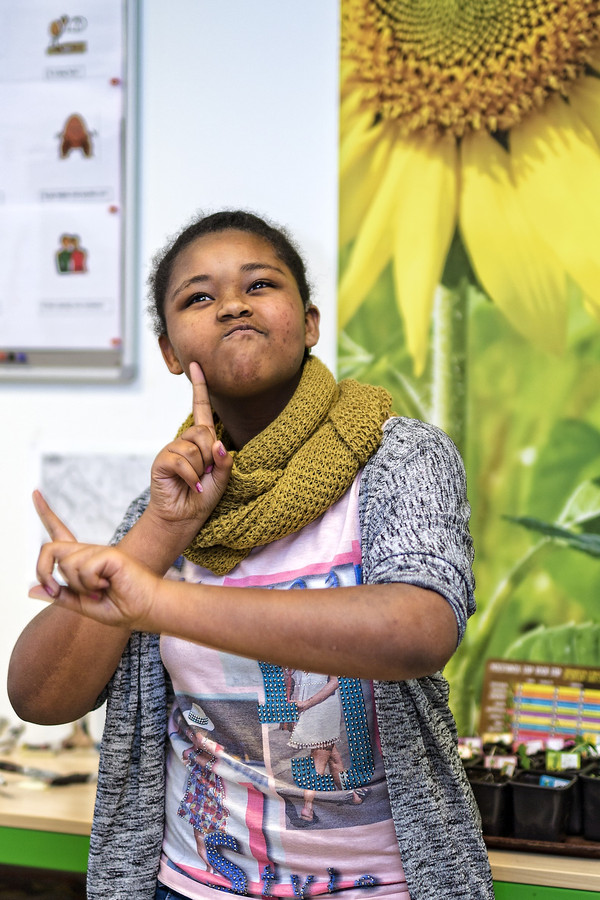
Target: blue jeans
[(165, 893)]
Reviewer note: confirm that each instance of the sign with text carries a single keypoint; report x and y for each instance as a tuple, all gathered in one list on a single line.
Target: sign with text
[(540, 700)]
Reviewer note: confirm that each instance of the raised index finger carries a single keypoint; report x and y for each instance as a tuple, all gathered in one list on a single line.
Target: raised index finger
[(55, 527), (201, 402)]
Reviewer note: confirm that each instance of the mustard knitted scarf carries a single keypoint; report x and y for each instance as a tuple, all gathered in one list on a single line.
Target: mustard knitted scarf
[(295, 469)]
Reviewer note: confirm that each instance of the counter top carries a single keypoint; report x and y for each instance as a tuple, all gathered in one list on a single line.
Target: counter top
[(29, 803)]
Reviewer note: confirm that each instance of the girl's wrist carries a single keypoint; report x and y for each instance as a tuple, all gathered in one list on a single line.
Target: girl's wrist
[(156, 598), (174, 529), (157, 543)]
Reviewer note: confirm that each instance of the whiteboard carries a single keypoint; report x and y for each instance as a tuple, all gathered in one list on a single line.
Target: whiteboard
[(68, 231)]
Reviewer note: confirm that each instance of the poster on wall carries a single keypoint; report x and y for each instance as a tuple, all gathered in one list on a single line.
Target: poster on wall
[(92, 491), (470, 288), (66, 139)]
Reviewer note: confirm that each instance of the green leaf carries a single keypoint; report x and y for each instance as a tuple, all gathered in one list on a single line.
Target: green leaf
[(577, 643), (583, 505), (570, 456), (352, 358), (356, 362), (586, 543)]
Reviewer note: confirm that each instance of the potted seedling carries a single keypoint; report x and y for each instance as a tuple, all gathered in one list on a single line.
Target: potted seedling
[(491, 788), (570, 761), (470, 750), (589, 781), (490, 783), (542, 803)]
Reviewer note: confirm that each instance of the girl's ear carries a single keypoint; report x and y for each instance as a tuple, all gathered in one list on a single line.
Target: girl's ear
[(166, 348), (312, 317)]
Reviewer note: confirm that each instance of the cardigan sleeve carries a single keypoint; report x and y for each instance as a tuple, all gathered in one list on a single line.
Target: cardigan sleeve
[(132, 514), (414, 527), (414, 515), (128, 822)]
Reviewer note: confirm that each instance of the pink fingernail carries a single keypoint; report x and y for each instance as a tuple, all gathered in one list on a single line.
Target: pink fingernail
[(49, 591), (95, 596), (198, 487), (221, 450), (208, 470)]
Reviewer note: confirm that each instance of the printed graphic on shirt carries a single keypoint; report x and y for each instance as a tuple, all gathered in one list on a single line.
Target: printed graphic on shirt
[(278, 769)]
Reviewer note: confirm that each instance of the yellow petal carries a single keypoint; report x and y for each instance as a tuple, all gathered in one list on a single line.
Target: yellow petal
[(584, 98), (360, 181), (360, 138), (555, 163), (516, 267), (423, 224), (373, 246), (348, 86), (592, 307), (350, 104)]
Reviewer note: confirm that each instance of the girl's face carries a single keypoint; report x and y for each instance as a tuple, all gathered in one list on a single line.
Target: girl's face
[(234, 307)]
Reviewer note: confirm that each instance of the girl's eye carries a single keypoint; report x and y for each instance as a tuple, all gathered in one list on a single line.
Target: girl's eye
[(261, 283), (197, 298)]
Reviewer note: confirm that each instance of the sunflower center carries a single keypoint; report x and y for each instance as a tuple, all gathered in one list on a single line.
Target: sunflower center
[(453, 66)]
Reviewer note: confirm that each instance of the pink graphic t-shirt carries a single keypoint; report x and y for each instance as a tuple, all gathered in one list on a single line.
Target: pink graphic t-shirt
[(275, 781)]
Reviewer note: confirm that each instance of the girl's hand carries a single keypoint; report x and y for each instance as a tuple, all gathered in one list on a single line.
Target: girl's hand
[(57, 530), (189, 475), (103, 583)]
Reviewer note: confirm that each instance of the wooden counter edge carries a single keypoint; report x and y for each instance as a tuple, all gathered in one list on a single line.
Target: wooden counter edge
[(572, 872), (59, 825)]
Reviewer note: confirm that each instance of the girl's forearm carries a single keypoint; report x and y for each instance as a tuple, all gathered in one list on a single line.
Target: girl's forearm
[(387, 631), (60, 664)]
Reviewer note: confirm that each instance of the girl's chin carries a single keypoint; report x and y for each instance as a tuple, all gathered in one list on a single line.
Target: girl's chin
[(250, 377), (245, 389)]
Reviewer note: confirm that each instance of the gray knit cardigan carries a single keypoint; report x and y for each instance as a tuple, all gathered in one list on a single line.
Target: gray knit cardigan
[(414, 528)]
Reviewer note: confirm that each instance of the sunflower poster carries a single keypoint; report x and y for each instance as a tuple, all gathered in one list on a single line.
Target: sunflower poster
[(470, 288)]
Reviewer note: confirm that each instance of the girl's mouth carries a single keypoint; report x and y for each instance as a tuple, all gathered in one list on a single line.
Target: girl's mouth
[(237, 329)]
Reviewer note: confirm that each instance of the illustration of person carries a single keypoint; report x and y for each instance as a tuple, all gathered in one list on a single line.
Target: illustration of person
[(288, 680), (75, 135), (63, 256), (59, 29), (318, 729), (56, 29), (203, 802), (78, 255)]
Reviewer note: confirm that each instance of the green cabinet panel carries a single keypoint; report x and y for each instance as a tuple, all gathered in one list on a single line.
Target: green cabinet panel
[(504, 890), (44, 849)]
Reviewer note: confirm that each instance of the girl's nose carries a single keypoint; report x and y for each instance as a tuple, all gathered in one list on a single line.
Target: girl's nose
[(234, 305)]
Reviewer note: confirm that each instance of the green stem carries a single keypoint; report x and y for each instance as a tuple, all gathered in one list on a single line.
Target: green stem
[(449, 362), (449, 412)]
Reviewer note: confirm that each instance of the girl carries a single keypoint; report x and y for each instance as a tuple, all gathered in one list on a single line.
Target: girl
[(299, 527)]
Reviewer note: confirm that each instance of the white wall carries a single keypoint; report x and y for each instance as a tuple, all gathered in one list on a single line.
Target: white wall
[(238, 108)]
